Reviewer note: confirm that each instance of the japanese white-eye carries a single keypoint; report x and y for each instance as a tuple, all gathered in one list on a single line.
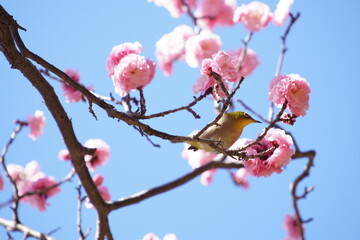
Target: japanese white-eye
[(227, 130)]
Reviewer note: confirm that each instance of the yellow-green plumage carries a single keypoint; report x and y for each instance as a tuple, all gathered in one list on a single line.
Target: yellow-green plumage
[(227, 130)]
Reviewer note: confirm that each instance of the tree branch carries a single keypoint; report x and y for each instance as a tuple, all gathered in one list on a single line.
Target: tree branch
[(13, 227), (9, 36), (145, 194), (310, 155)]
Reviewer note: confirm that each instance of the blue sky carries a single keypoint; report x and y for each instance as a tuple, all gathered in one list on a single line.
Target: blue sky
[(323, 48)]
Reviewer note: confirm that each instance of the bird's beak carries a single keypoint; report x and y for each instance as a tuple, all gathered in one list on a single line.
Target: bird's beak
[(256, 121)]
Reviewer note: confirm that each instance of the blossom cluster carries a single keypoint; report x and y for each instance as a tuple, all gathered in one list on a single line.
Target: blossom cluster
[(291, 88), (209, 13), (31, 180), (187, 45), (127, 69), (225, 65), (276, 146)]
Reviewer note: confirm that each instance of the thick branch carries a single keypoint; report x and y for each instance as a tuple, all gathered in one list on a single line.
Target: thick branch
[(140, 196), (9, 34)]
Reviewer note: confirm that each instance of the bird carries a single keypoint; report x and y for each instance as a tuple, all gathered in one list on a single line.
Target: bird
[(226, 131)]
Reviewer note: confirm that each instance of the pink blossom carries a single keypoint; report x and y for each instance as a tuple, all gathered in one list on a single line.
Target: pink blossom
[(171, 47), (222, 64), (40, 183), (100, 156), (132, 72), (206, 177), (70, 93), (274, 160), (104, 192), (211, 13), (36, 123), (282, 11), (294, 89), (150, 236), (64, 155), (1, 183), (254, 16), (240, 177), (120, 51), (292, 227), (170, 236), (197, 159), (202, 84), (199, 47), (175, 7), (249, 63), (31, 179)]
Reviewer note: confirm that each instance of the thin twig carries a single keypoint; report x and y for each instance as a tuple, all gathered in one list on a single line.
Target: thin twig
[(281, 57), (67, 178), (81, 199), (310, 155), (244, 50), (271, 125), (283, 42), (187, 107), (142, 102), (3, 163)]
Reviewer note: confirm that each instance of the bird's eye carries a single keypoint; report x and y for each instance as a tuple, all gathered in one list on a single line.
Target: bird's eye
[(246, 115)]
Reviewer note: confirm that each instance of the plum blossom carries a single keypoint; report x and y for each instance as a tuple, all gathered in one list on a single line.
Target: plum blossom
[(100, 156), (171, 47), (292, 88), (201, 46), (31, 179), (273, 161), (175, 7), (120, 51), (254, 16), (70, 93), (36, 123), (292, 228), (104, 192), (170, 236), (64, 155), (249, 63), (282, 11), (128, 70), (1, 183), (211, 13), (223, 65), (240, 177), (197, 159), (152, 236)]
